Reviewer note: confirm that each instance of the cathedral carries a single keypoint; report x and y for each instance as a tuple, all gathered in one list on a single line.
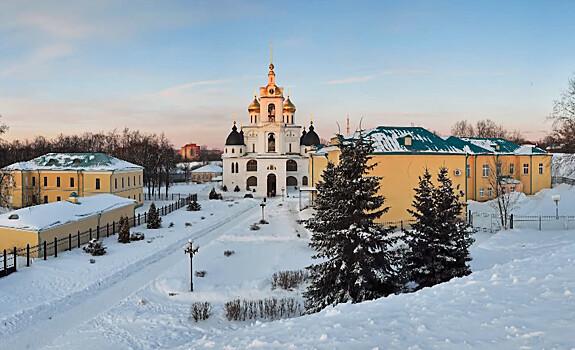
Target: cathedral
[(270, 155)]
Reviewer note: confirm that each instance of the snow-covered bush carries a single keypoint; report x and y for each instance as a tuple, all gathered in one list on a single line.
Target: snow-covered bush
[(194, 206), (201, 273), (188, 224), (237, 188), (225, 188), (214, 195), (154, 219), (95, 247), (124, 233), (254, 227), (201, 310), (263, 222), (289, 279), (229, 252), (248, 195), (266, 309), (137, 236)]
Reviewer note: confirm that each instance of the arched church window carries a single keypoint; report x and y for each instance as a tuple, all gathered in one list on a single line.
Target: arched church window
[(271, 112), (271, 143), (291, 165), (252, 165), (233, 168), (237, 168), (304, 181)]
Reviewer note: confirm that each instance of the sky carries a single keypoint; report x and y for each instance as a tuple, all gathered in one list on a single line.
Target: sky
[(190, 68)]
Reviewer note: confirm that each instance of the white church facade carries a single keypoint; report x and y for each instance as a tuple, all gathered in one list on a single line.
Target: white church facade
[(270, 155)]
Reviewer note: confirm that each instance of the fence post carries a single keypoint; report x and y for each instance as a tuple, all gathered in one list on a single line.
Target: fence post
[(138, 219), (90, 233), (55, 247), (15, 261), (28, 255), (98, 232), (539, 222), (511, 221), (45, 251), (402, 225), (108, 229), (69, 241), (469, 218), (134, 220), (5, 262), (78, 238), (145, 220), (113, 227)]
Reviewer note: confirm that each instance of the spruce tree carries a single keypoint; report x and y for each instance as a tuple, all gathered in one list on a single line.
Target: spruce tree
[(356, 263), (454, 233), (154, 219), (420, 265), (124, 233), (194, 206)]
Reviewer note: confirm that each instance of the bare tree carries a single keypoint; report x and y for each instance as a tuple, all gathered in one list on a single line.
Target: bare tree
[(463, 128), (6, 183), (505, 196), (488, 128), (563, 117)]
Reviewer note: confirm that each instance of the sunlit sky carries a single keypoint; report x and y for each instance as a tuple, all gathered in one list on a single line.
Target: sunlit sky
[(189, 68)]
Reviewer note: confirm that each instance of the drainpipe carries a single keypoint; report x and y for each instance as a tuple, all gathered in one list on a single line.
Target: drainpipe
[(465, 170), (531, 174)]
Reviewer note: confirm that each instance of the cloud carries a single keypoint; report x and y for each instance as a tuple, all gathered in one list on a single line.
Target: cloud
[(369, 77), (178, 90), (38, 57)]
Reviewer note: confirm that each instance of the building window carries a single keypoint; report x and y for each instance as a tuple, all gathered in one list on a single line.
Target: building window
[(71, 182), (134, 181), (233, 168), (481, 192), (252, 165), (540, 168), (116, 184), (304, 181), (45, 181), (140, 197), (251, 182), (271, 143), (290, 147), (291, 181), (291, 165), (468, 170), (485, 170), (511, 168), (97, 184), (33, 181), (58, 181), (233, 150), (271, 113), (499, 169), (525, 169), (237, 168), (128, 181), (490, 192), (58, 198), (122, 182), (45, 199), (140, 179)]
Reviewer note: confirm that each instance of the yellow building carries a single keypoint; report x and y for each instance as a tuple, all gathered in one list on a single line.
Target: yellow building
[(54, 176), (44, 222), (524, 168), (402, 154)]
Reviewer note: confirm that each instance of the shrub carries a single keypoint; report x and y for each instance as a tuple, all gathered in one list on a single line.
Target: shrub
[(248, 195), (201, 273), (266, 309), (237, 188), (214, 195), (188, 224), (225, 188), (154, 219), (137, 236), (289, 279), (124, 233), (95, 247), (254, 227), (171, 224), (263, 222), (229, 252), (201, 310), (194, 206)]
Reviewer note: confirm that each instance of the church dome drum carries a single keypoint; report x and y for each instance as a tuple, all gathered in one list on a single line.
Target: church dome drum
[(254, 106)]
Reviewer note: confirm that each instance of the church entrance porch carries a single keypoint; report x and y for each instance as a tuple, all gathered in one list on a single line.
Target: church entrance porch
[(271, 189)]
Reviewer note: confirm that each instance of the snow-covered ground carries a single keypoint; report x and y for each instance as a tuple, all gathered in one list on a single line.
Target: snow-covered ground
[(520, 295)]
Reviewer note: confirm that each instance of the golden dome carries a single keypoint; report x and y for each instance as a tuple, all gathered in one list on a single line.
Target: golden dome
[(254, 106), (289, 106)]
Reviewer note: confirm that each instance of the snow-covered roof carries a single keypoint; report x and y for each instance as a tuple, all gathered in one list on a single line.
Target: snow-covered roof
[(45, 216), (393, 139), (479, 145), (210, 168), (74, 161)]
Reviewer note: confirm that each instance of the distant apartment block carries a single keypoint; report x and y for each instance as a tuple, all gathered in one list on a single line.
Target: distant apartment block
[(190, 152)]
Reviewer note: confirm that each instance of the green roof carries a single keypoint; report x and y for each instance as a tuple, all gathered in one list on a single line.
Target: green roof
[(492, 145), (74, 161)]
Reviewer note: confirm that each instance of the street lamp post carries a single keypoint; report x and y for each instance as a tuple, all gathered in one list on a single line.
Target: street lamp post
[(263, 205), (283, 189), (556, 198), (190, 249)]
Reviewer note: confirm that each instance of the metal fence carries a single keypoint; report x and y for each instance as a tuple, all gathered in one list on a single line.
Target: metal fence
[(491, 222), (9, 258), (162, 196), (556, 180)]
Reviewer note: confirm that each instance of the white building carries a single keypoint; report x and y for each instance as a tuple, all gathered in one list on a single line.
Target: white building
[(270, 154)]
